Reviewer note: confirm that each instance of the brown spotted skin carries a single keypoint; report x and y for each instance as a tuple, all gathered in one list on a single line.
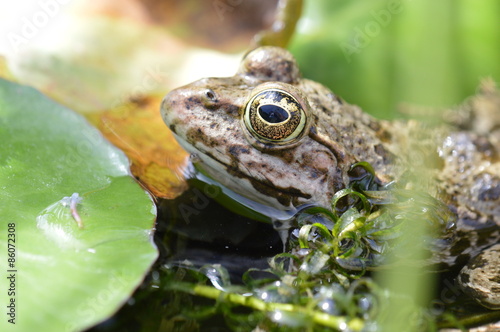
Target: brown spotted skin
[(462, 159)]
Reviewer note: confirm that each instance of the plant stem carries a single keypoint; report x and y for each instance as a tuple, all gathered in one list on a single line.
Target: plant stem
[(321, 318)]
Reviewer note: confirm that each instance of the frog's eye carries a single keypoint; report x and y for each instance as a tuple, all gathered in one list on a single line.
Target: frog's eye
[(274, 115)]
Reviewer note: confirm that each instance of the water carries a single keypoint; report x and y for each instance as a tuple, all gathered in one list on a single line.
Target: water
[(210, 234)]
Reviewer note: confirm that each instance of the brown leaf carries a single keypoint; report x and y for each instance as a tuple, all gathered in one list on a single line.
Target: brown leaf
[(156, 158)]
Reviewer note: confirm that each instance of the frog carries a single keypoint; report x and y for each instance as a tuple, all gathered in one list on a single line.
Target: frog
[(278, 143)]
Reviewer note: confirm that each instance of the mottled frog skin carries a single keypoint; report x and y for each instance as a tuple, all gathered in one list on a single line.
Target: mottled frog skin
[(284, 142)]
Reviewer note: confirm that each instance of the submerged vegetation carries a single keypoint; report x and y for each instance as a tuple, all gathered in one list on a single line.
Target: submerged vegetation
[(323, 281)]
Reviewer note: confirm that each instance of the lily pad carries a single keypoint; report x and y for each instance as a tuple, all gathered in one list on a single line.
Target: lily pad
[(65, 276)]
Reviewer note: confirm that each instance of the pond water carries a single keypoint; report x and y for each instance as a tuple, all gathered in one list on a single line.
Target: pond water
[(193, 228)]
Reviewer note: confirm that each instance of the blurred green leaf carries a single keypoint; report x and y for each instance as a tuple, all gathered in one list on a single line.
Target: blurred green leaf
[(67, 278), (379, 54)]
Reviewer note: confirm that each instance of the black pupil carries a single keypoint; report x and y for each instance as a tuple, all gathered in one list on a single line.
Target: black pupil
[(273, 113)]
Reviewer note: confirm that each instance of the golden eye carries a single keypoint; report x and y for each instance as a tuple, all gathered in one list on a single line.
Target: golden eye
[(274, 115)]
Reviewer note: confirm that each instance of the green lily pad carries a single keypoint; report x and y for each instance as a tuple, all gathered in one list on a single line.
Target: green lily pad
[(65, 276)]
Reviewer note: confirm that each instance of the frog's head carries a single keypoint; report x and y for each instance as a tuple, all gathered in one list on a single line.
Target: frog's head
[(252, 132)]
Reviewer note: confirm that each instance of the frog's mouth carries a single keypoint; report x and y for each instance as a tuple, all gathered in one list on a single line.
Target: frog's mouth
[(259, 196)]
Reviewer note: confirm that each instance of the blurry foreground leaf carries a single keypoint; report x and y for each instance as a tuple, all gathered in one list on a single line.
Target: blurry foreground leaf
[(97, 64), (220, 24), (93, 62), (67, 277)]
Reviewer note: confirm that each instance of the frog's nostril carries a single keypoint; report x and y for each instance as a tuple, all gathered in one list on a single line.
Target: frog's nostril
[(210, 94), (209, 99)]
